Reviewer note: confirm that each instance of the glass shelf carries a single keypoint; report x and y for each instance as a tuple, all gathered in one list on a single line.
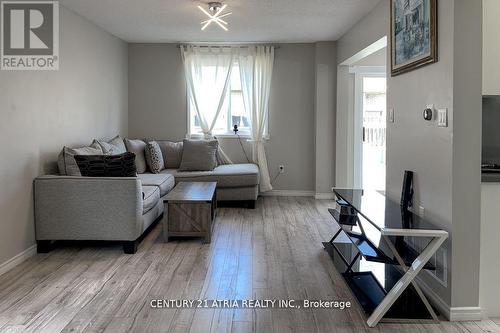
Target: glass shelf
[(364, 257), (371, 281)]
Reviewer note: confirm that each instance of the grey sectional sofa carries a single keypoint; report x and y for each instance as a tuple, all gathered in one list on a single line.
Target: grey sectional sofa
[(122, 209)]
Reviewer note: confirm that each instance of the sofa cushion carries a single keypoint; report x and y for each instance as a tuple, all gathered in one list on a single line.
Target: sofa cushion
[(114, 146), (137, 147), (164, 182), (199, 155), (150, 197), (172, 153), (66, 160), (122, 165), (227, 175), (154, 157)]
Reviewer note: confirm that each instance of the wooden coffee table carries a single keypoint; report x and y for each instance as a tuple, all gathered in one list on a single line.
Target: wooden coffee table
[(190, 210)]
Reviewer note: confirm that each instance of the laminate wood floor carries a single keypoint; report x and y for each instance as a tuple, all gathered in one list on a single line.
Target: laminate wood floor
[(272, 252)]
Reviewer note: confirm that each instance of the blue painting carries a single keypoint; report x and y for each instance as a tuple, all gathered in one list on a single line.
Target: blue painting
[(413, 34)]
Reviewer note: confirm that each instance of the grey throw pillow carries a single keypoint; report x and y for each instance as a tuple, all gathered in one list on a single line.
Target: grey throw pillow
[(114, 146), (137, 147), (199, 155), (154, 157), (66, 160), (172, 153)]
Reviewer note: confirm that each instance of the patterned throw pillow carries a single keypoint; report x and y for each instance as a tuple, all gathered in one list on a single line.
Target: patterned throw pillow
[(122, 165), (154, 157)]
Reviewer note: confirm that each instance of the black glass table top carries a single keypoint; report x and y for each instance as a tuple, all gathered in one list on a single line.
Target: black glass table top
[(375, 244), (373, 214), (383, 212)]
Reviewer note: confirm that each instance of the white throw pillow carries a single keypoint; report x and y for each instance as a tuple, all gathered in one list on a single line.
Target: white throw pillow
[(114, 146), (66, 161)]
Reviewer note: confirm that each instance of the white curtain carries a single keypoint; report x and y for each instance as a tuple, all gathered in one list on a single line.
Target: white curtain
[(208, 77), (256, 70)]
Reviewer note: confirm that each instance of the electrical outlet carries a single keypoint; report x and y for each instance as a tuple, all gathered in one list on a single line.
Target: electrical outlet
[(281, 168), (439, 259), (421, 211), (417, 209)]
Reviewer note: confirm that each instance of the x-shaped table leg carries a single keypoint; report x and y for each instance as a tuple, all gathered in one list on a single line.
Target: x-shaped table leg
[(410, 272)]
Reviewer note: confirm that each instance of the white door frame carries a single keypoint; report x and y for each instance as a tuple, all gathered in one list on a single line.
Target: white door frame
[(345, 113), (361, 72)]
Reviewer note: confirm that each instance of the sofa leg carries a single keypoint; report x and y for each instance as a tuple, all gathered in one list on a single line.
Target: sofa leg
[(251, 204), (43, 246), (130, 247)]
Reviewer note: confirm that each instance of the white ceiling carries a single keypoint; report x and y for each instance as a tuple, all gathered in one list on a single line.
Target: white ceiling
[(252, 20)]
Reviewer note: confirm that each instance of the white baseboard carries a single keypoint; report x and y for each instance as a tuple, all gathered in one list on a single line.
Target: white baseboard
[(489, 315), (287, 193), (294, 193), (442, 306), (324, 196), (470, 313), (450, 313), (16, 260)]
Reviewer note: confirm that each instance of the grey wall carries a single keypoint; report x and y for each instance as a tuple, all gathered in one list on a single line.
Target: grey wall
[(157, 107), (291, 120), (157, 93), (43, 110), (418, 145), (344, 152), (467, 124), (362, 35), (367, 31), (378, 58), (325, 117), (446, 160)]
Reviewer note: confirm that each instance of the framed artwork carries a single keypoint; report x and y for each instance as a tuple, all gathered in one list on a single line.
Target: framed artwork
[(413, 34)]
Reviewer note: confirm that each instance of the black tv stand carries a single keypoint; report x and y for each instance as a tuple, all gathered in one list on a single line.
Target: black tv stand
[(375, 259)]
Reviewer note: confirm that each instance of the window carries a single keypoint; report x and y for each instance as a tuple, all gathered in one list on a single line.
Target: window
[(232, 113)]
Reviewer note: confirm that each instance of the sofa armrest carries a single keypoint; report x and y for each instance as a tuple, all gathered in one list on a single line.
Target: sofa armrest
[(87, 208)]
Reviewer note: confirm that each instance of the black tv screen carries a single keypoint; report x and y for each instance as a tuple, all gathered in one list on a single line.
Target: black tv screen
[(491, 129)]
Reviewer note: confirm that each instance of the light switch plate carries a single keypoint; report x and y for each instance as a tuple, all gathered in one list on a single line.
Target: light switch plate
[(442, 117), (391, 115)]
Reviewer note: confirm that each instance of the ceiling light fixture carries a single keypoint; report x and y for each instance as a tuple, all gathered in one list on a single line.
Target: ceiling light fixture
[(215, 15)]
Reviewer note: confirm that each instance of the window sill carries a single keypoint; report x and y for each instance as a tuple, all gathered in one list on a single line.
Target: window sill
[(228, 136), (233, 136)]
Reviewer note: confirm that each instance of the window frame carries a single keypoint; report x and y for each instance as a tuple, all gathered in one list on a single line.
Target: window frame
[(229, 125)]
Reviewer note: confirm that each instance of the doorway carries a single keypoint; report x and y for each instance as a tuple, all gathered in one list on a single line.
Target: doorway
[(361, 103), (370, 128)]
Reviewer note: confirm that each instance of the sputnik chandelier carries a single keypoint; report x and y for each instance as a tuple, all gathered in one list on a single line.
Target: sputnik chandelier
[(215, 15)]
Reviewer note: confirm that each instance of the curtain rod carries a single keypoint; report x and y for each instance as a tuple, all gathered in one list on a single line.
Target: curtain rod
[(228, 45)]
